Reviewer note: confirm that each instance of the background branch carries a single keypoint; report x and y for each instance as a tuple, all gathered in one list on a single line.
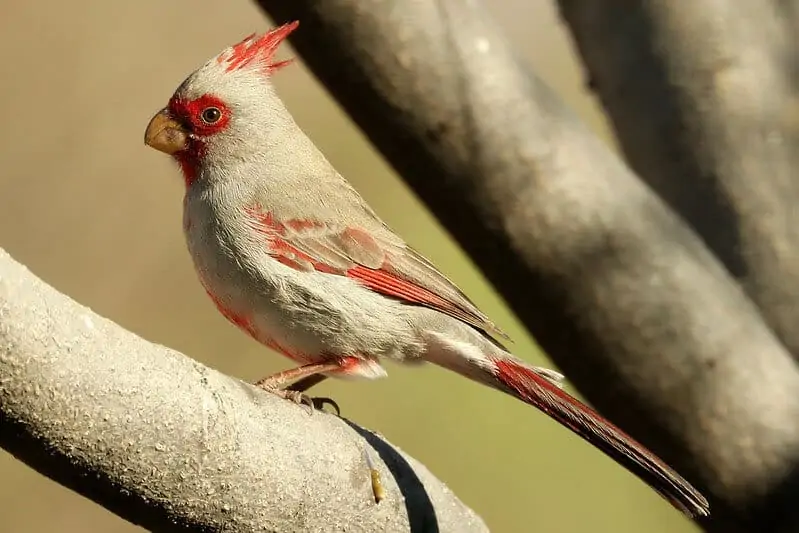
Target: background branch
[(614, 286), (704, 98), (172, 445)]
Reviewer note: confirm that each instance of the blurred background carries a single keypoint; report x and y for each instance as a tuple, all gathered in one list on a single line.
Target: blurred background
[(96, 214)]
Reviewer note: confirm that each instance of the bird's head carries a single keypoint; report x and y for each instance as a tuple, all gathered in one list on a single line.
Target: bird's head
[(224, 108)]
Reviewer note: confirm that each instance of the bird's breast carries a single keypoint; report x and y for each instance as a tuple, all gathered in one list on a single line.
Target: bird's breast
[(239, 279), (307, 315)]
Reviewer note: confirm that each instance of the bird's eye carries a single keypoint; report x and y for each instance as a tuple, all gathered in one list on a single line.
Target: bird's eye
[(211, 115)]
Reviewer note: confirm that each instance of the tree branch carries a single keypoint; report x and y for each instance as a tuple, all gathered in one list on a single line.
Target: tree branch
[(614, 286), (171, 445), (703, 97)]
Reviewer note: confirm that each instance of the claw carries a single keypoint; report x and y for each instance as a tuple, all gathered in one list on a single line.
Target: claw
[(300, 398), (320, 402), (303, 378)]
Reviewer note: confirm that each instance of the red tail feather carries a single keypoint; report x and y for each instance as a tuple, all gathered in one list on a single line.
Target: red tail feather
[(523, 383)]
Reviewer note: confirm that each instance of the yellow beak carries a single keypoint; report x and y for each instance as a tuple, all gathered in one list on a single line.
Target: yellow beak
[(166, 134)]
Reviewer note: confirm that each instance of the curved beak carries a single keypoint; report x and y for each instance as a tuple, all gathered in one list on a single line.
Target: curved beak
[(166, 134)]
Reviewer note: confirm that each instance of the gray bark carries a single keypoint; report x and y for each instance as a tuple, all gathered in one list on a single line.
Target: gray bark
[(704, 98), (172, 445)]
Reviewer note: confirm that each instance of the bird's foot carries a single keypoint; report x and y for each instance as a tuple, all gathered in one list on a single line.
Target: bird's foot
[(304, 377), (299, 397)]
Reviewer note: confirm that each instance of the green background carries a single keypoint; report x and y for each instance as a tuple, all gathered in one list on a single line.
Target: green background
[(91, 210)]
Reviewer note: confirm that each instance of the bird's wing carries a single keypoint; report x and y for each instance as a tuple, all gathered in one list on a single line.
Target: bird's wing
[(388, 267)]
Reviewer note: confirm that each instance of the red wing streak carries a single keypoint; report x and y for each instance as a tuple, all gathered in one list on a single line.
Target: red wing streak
[(356, 254), (384, 282)]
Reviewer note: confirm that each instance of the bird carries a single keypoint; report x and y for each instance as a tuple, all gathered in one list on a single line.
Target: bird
[(291, 253)]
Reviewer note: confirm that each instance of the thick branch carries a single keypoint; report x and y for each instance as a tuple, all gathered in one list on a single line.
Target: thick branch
[(617, 289), (172, 445), (704, 97)]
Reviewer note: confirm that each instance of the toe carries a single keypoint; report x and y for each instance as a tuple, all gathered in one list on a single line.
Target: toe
[(319, 403)]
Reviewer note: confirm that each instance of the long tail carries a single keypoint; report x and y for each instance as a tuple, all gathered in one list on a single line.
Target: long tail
[(541, 389)]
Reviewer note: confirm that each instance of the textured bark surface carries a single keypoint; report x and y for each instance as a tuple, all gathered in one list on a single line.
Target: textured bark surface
[(172, 445), (704, 98)]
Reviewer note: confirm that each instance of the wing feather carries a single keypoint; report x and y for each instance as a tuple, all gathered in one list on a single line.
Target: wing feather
[(385, 265)]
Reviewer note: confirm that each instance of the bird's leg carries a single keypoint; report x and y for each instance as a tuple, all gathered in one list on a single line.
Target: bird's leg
[(306, 376), (313, 380)]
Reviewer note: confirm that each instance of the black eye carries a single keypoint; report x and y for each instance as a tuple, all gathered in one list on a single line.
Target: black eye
[(211, 115)]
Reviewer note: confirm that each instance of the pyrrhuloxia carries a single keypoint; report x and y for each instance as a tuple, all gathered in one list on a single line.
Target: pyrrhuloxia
[(290, 252)]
